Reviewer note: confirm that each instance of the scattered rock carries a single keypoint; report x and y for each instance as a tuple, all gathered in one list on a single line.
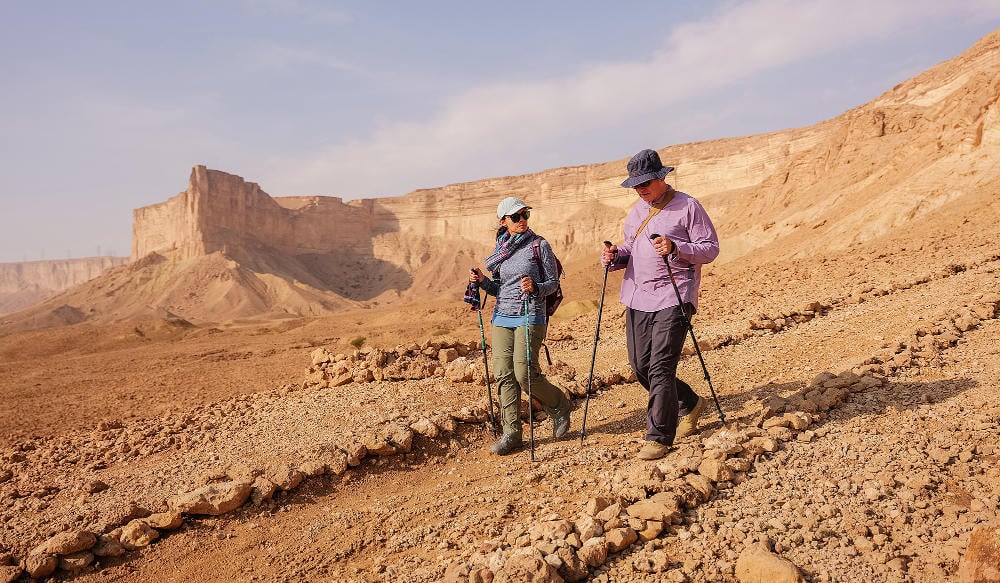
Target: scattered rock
[(981, 562), (76, 561), (108, 546), (137, 534), (164, 520), (68, 542), (213, 499), (757, 564), (39, 565), (10, 573)]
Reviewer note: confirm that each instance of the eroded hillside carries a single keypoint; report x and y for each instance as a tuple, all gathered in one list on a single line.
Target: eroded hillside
[(224, 249)]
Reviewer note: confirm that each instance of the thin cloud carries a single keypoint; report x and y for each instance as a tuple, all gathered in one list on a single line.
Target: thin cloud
[(315, 12), (277, 56), (698, 58), (225, 101)]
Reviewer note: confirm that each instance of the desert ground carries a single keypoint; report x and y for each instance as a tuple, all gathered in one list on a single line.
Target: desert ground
[(102, 425)]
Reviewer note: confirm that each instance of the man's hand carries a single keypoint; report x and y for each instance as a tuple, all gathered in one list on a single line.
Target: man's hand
[(663, 246), (608, 254)]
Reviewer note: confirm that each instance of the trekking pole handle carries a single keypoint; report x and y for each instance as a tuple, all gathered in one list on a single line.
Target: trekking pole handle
[(673, 246), (607, 247), (526, 294)]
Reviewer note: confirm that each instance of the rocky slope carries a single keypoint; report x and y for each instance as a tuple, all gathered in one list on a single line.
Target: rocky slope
[(880, 472)]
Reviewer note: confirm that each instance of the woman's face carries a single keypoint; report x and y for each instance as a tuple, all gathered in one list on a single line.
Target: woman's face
[(517, 223)]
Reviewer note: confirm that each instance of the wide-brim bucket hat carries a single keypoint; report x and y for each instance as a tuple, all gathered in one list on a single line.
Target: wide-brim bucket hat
[(645, 166), (509, 206)]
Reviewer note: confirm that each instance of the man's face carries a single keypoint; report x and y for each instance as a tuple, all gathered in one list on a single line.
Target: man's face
[(652, 190)]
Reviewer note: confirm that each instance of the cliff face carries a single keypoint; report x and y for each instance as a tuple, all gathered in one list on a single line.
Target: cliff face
[(219, 211), (27, 283), (920, 145), (922, 156), (222, 212)]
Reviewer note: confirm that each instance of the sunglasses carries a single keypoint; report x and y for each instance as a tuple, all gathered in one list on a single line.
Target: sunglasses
[(516, 217), (643, 184)]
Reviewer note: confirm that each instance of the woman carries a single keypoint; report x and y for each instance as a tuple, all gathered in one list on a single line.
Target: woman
[(522, 266)]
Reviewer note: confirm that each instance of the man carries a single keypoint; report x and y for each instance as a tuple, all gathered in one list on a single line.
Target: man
[(654, 322)]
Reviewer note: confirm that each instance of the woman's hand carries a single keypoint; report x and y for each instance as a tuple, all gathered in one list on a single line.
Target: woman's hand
[(476, 276), (527, 284)]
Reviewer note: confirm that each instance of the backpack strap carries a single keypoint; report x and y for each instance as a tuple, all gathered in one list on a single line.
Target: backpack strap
[(536, 254)]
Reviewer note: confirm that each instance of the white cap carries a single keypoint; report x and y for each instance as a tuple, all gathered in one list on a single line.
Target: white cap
[(509, 206)]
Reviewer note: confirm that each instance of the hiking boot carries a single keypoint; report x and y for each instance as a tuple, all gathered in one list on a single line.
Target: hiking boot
[(506, 444), (653, 450), (560, 424), (688, 424)]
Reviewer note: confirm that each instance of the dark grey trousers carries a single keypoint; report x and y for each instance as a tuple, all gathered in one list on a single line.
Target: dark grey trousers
[(655, 340)]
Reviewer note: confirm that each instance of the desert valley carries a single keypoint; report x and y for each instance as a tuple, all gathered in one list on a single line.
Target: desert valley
[(290, 388)]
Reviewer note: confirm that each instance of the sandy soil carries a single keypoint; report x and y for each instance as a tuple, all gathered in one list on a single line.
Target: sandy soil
[(151, 410)]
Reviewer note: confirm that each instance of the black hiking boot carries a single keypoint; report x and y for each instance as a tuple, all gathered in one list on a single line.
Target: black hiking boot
[(506, 444)]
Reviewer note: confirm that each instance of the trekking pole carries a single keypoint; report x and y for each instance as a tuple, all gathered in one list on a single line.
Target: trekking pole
[(489, 390), (593, 355), (527, 350), (687, 322)]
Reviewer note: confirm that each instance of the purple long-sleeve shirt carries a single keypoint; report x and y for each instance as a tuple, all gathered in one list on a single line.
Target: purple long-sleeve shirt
[(646, 285)]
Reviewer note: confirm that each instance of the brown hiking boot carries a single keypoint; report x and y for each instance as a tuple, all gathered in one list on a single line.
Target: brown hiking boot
[(653, 450), (688, 424), (560, 422), (507, 444)]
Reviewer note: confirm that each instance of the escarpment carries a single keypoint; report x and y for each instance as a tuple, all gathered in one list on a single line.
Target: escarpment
[(921, 159)]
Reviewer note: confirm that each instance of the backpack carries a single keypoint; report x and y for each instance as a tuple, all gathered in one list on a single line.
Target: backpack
[(555, 298)]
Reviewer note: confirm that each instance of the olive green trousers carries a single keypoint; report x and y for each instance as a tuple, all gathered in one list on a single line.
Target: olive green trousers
[(510, 367)]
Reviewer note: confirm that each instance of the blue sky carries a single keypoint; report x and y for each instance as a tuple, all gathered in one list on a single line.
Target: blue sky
[(106, 105)]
